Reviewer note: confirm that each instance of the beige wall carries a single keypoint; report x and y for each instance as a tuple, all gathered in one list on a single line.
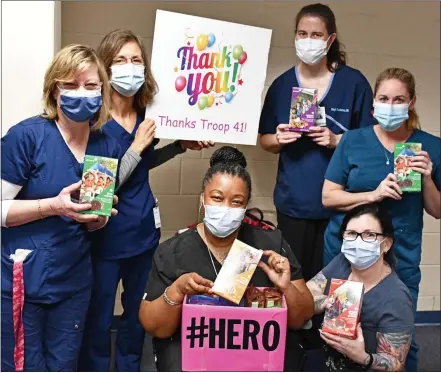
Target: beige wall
[(30, 28), (377, 35)]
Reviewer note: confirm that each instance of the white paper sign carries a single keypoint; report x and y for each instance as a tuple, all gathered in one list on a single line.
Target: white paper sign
[(211, 75)]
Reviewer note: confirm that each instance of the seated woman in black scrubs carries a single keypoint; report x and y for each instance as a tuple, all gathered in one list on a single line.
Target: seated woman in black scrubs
[(188, 264)]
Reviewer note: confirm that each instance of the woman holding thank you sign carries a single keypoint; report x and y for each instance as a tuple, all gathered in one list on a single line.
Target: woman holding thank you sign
[(124, 249)]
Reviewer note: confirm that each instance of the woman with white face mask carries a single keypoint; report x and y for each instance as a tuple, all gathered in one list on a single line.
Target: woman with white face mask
[(345, 100), (386, 322), (124, 249), (188, 264), (362, 171)]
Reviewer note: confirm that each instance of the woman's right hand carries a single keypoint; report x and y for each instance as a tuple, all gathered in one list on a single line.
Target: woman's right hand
[(189, 284), (284, 136), (388, 188), (62, 205), (144, 136)]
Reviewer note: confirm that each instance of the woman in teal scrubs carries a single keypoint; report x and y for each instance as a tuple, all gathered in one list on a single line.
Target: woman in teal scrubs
[(362, 171)]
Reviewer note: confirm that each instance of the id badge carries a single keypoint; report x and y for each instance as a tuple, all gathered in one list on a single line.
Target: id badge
[(320, 118), (157, 215)]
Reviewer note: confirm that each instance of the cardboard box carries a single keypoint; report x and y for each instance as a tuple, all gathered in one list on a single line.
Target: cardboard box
[(343, 313), (408, 180), (236, 272), (303, 111), (98, 187), (225, 339)]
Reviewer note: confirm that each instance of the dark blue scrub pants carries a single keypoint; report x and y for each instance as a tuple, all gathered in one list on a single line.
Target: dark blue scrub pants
[(52, 334), (96, 348)]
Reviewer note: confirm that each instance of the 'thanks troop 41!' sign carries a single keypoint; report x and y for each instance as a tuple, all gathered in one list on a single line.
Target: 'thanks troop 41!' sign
[(211, 76), (220, 338)]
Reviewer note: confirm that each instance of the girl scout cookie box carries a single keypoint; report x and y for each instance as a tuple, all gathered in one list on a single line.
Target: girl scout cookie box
[(98, 185)]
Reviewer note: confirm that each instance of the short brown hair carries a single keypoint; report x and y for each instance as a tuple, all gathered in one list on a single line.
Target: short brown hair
[(66, 63), (108, 49), (404, 76)]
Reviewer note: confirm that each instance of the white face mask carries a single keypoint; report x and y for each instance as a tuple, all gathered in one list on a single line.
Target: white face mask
[(222, 221), (127, 78), (311, 51), (361, 254)]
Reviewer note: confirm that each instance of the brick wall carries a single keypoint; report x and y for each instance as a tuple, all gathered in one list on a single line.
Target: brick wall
[(377, 35)]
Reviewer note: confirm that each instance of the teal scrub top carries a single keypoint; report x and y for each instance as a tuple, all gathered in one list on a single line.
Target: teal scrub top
[(360, 164)]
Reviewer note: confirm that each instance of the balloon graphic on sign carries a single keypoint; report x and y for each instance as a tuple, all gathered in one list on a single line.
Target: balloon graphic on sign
[(211, 39), (243, 58), (210, 100), (202, 102), (180, 83), (202, 42), (237, 52), (228, 97)]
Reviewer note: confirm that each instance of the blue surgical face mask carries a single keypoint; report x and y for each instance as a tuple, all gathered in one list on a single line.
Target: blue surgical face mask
[(127, 78), (391, 116), (360, 254), (223, 221), (80, 105)]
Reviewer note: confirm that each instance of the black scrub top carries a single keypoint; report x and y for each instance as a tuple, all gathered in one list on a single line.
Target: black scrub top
[(186, 253)]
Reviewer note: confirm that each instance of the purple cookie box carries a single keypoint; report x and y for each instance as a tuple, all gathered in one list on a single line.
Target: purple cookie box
[(308, 116)]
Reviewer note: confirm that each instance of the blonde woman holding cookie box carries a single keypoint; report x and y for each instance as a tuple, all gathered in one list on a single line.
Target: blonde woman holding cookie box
[(41, 166), (362, 171)]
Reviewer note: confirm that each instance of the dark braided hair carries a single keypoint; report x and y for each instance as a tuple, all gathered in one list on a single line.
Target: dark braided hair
[(228, 161)]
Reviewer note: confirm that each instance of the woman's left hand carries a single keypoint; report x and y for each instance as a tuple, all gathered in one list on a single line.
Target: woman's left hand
[(195, 145), (353, 349), (278, 269), (422, 163)]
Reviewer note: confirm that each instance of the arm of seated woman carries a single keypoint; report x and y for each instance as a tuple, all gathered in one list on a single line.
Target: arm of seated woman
[(161, 317), (390, 356), (392, 349), (317, 288)]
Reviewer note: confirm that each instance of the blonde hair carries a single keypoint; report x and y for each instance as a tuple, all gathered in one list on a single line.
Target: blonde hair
[(109, 48), (404, 76), (66, 63)]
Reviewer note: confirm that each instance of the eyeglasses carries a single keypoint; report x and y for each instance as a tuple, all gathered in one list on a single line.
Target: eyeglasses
[(121, 60), (73, 86), (365, 236)]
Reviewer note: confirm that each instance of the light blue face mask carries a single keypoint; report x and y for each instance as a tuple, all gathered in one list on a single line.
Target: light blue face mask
[(127, 78), (361, 254), (223, 221), (390, 116)]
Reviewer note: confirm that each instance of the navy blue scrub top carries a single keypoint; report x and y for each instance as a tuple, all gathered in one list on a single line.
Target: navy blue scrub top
[(36, 157), (359, 164), (132, 231), (302, 165)]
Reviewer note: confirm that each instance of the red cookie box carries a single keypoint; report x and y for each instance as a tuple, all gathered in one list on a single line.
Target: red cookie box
[(343, 313)]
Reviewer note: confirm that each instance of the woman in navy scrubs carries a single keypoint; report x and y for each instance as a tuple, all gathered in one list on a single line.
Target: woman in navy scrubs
[(345, 98), (41, 166), (125, 248), (362, 171)]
